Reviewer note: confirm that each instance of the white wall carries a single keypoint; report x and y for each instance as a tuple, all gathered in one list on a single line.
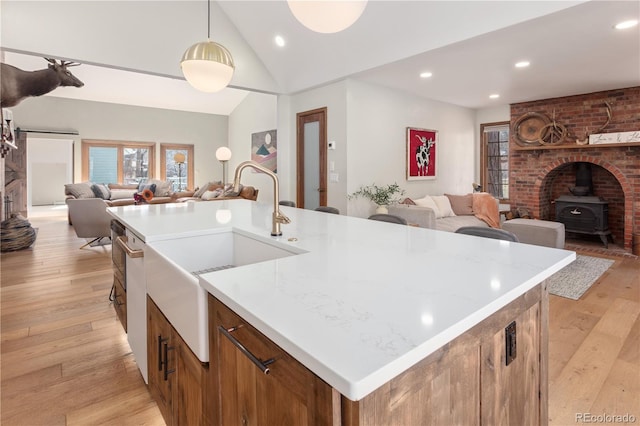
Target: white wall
[(49, 167), (376, 149), (334, 97), (257, 113), (97, 120)]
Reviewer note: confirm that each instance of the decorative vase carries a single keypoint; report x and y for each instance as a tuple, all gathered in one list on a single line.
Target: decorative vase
[(382, 210)]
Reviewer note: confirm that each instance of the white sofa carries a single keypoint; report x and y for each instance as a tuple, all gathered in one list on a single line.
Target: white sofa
[(444, 213), (463, 212)]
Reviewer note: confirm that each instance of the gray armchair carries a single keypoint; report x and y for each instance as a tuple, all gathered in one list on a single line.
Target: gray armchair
[(89, 218)]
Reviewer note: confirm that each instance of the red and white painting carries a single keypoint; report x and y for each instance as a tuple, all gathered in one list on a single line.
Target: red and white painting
[(421, 153)]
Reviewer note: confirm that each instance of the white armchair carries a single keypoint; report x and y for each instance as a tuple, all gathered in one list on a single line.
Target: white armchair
[(89, 218)]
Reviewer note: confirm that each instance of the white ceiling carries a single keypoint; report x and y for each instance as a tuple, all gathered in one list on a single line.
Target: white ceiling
[(469, 46)]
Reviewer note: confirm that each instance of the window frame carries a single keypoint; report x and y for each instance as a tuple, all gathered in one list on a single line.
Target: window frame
[(484, 151), (120, 146), (190, 163)]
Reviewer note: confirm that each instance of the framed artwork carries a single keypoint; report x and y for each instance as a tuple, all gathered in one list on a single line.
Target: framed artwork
[(264, 149), (421, 153)]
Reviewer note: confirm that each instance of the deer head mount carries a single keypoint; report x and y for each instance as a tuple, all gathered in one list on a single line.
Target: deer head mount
[(18, 84)]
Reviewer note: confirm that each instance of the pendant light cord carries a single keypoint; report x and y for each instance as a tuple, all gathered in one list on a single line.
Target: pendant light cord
[(209, 20)]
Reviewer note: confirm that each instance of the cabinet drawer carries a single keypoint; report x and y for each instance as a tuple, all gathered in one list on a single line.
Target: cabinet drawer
[(119, 300), (280, 365), (258, 382)]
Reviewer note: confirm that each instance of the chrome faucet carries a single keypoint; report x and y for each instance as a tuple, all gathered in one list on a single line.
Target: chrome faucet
[(278, 217)]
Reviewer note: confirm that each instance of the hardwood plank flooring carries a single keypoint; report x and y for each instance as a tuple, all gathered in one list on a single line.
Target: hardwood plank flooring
[(65, 359)]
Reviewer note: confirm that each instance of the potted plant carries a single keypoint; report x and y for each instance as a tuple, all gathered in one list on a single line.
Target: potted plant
[(382, 196)]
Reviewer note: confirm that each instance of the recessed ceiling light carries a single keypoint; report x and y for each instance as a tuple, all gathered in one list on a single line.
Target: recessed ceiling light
[(522, 64), (279, 41), (426, 74), (494, 96), (626, 24)]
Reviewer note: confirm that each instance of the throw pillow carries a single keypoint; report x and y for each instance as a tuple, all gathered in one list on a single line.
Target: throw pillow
[(151, 187), (204, 188), (462, 205), (79, 190), (443, 205), (101, 191), (229, 192), (163, 188), (408, 201), (210, 195), (427, 201), (121, 194)]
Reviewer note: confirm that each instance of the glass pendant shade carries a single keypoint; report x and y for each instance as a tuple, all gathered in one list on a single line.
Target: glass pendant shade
[(327, 16), (207, 66)]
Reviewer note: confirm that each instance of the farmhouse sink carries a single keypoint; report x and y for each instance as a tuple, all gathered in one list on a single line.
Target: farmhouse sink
[(172, 268)]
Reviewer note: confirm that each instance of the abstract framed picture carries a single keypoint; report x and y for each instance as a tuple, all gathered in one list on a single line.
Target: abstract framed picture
[(264, 149), (421, 153)]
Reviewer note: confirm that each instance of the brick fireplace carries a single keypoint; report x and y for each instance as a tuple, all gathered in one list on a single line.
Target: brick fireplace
[(541, 174)]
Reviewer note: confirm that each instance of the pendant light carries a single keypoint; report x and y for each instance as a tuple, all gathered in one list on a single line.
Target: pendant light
[(327, 16), (207, 66)]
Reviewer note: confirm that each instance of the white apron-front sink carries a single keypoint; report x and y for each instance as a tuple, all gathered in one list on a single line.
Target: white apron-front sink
[(172, 268)]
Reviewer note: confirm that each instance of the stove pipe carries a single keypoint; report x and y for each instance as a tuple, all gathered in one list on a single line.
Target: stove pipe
[(583, 177)]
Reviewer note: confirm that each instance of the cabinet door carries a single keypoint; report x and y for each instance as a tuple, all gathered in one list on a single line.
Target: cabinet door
[(161, 356), (188, 390), (511, 393), (285, 394), (119, 299)]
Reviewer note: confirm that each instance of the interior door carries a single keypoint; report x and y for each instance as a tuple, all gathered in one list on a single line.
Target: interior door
[(311, 159)]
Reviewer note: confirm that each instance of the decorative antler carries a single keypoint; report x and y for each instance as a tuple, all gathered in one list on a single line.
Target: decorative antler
[(609, 115)]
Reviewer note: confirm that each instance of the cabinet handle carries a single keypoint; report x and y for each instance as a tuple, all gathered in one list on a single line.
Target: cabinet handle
[(166, 360), (122, 242), (112, 295), (160, 362), (262, 365)]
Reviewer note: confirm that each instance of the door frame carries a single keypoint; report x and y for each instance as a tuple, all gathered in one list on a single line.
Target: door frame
[(319, 115)]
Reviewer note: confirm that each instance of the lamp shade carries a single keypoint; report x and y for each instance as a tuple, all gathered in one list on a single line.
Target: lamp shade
[(223, 153), (327, 16), (179, 157), (207, 66)]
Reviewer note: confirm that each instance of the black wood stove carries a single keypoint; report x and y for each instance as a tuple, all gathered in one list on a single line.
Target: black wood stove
[(582, 212)]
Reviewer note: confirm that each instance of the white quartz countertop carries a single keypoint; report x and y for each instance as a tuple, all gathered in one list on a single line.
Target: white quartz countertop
[(365, 300)]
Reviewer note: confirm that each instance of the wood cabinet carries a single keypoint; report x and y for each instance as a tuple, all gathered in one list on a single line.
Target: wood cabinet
[(494, 374), (176, 375), (468, 380), (118, 297), (257, 383)]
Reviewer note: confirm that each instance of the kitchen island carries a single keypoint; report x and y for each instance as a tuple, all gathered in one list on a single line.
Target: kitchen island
[(363, 303)]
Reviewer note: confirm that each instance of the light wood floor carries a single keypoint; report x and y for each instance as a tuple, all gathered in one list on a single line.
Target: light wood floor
[(65, 359)]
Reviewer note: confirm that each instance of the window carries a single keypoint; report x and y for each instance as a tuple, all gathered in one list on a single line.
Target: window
[(177, 170), (495, 159), (117, 162)]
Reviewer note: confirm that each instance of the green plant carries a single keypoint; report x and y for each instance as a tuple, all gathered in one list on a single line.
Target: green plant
[(380, 195)]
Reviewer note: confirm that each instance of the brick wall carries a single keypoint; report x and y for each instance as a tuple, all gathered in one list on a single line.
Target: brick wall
[(540, 176)]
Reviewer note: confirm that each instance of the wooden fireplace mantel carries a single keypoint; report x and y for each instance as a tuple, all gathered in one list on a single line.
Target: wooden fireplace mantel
[(573, 146)]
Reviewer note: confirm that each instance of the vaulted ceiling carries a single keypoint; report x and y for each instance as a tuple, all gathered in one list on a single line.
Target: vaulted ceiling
[(470, 47)]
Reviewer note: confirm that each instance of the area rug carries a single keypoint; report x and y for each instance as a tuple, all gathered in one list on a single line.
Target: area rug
[(575, 279)]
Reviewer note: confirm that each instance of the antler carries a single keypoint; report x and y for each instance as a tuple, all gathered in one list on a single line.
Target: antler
[(67, 64), (606, 123), (51, 60)]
